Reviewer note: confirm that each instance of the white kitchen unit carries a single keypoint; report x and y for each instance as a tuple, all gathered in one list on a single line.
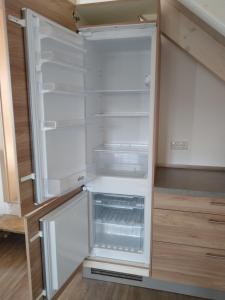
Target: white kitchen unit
[(92, 107)]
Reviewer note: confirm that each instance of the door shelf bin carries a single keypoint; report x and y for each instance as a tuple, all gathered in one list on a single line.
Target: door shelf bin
[(118, 222), (59, 186), (62, 36), (62, 58)]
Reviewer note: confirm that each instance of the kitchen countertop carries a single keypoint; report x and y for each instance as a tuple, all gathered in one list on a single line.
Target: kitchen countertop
[(193, 182)]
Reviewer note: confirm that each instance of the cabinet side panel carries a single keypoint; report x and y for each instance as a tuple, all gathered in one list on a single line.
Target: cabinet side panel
[(60, 12), (156, 117), (8, 151)]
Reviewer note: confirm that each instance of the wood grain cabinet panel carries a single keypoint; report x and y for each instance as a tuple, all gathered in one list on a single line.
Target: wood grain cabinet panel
[(60, 12), (189, 265), (194, 229), (178, 202)]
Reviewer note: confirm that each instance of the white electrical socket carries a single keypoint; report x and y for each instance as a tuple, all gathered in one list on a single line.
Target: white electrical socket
[(179, 145)]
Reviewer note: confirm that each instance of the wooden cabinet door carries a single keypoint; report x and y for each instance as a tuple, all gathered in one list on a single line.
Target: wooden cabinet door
[(187, 203), (194, 229), (189, 265)]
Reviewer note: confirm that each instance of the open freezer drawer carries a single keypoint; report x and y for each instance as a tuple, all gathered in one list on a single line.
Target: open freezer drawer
[(65, 241)]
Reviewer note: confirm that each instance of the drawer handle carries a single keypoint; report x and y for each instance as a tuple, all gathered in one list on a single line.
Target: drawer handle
[(212, 255), (217, 203), (216, 222)]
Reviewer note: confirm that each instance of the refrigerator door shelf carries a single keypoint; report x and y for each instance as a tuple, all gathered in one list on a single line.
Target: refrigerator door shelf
[(62, 35), (59, 186)]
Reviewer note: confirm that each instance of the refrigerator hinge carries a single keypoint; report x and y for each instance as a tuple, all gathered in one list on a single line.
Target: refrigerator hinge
[(28, 177), (43, 294), (84, 188), (20, 22), (36, 236)]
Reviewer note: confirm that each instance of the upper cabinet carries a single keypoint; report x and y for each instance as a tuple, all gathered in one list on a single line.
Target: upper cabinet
[(90, 13)]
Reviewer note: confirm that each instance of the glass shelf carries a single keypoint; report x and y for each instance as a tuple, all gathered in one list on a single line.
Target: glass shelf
[(124, 148), (137, 91), (122, 114)]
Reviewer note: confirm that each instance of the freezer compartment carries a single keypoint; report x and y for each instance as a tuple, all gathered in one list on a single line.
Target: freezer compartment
[(118, 222)]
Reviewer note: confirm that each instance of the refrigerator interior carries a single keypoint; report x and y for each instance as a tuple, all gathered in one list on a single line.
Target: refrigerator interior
[(117, 106)]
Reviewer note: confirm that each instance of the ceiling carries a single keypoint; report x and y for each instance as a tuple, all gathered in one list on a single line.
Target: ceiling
[(210, 11)]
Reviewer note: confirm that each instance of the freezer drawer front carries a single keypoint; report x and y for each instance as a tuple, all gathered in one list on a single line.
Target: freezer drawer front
[(65, 241)]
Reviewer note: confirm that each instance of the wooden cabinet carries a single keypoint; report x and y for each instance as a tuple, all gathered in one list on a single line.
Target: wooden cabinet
[(192, 265), (187, 203), (189, 240), (194, 229)]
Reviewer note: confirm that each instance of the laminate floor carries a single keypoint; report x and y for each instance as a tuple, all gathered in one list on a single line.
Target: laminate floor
[(14, 280), (13, 268)]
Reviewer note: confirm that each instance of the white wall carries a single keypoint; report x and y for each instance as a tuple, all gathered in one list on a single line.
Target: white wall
[(192, 109)]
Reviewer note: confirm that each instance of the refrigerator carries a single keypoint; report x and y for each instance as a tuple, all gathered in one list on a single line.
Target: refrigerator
[(92, 107)]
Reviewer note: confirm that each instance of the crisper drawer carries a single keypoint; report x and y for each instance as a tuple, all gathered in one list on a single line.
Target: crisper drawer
[(118, 222), (189, 265), (194, 229), (122, 163), (189, 203)]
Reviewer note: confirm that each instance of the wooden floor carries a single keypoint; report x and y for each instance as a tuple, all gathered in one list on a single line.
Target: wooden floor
[(14, 282), (13, 269)]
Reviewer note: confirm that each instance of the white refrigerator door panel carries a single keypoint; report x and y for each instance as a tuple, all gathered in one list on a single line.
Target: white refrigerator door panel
[(55, 65), (65, 241)]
